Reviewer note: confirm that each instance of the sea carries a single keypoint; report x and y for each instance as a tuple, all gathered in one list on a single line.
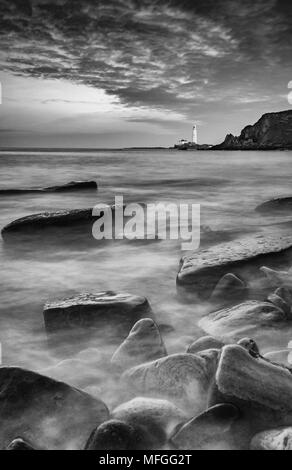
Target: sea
[(227, 185)]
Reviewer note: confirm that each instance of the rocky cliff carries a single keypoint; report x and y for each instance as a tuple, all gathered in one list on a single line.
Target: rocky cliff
[(273, 131)]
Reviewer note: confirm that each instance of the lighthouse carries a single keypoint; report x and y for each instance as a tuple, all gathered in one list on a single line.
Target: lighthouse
[(195, 135)]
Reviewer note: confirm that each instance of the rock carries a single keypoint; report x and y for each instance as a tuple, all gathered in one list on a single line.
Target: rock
[(281, 304), (277, 278), (200, 271), (271, 132), (280, 205), (48, 413), (279, 357), (212, 430), (206, 342), (153, 420), (143, 344), (261, 390), (113, 435), (246, 318), (229, 289), (182, 378), (68, 187), (95, 310), (285, 294), (19, 444), (274, 439), (250, 345)]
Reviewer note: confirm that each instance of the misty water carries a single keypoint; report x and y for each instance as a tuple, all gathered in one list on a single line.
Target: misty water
[(228, 185)]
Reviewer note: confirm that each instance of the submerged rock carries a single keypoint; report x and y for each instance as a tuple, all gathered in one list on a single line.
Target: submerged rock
[(200, 271), (277, 278), (281, 204), (261, 390), (154, 420), (19, 444), (246, 318), (182, 378), (280, 303), (113, 435), (229, 289), (143, 344), (48, 413), (212, 430), (285, 294), (279, 357), (93, 310), (72, 186), (274, 439), (204, 343)]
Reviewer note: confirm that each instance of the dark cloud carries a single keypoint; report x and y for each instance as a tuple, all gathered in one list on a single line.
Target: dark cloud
[(166, 53)]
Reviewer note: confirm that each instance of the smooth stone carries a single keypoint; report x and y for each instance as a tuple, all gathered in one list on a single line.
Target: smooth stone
[(200, 271), (206, 342), (229, 289), (285, 294), (143, 344), (244, 319), (280, 204), (48, 413), (92, 310), (113, 435), (260, 389), (280, 303), (274, 439), (154, 420), (184, 379), (250, 345), (277, 278), (280, 357), (212, 430), (19, 444)]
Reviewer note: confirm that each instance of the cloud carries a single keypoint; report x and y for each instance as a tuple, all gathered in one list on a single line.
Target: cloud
[(167, 54)]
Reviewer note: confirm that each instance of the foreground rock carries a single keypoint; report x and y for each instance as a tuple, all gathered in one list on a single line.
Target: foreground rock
[(275, 439), (280, 205), (50, 414), (19, 444), (273, 131), (201, 271), (113, 435), (182, 378), (243, 319), (68, 187), (212, 430), (143, 344), (153, 420), (261, 390), (204, 343), (95, 310)]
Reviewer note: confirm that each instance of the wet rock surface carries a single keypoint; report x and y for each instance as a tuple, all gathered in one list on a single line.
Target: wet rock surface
[(200, 272), (280, 205), (48, 413), (274, 439), (68, 187)]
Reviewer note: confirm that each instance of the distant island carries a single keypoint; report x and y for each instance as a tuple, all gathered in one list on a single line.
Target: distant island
[(273, 131)]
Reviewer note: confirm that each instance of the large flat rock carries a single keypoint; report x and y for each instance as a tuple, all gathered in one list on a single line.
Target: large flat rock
[(50, 414), (109, 308), (200, 271)]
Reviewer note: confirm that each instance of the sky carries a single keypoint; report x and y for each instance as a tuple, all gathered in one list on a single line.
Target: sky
[(122, 73)]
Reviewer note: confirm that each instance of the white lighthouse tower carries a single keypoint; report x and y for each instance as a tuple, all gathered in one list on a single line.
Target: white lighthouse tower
[(195, 135)]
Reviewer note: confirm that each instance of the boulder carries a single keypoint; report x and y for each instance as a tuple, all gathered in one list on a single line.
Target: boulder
[(48, 413), (281, 304), (201, 271), (231, 324), (228, 290), (277, 278), (113, 435), (250, 346), (278, 205), (212, 430), (206, 342), (285, 294), (261, 390), (154, 420), (279, 357), (19, 444), (103, 309), (273, 439), (143, 344), (182, 378)]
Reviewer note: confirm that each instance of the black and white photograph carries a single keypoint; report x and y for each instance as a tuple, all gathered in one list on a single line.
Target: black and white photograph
[(146, 228)]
